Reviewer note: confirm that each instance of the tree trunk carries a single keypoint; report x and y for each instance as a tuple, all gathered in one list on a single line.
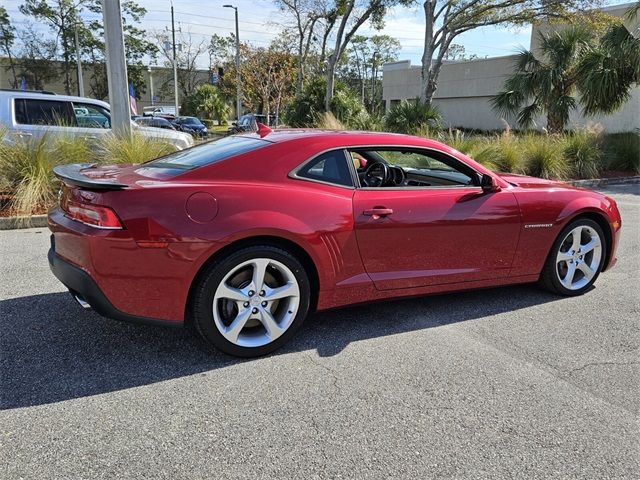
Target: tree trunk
[(426, 89), (301, 61), (13, 68), (331, 67), (337, 51), (555, 125)]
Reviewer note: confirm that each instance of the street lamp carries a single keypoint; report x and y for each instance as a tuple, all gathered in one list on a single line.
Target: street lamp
[(150, 73), (238, 80), (374, 72)]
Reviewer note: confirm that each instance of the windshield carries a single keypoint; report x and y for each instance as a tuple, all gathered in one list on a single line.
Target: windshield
[(206, 154), (191, 121)]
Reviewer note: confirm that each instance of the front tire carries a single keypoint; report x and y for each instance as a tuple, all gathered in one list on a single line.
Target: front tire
[(252, 301), (576, 258)]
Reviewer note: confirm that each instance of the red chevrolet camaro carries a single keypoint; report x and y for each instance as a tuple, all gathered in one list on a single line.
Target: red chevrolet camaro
[(243, 236)]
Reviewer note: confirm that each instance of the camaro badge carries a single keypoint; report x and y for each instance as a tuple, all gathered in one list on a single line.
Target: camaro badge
[(538, 225)]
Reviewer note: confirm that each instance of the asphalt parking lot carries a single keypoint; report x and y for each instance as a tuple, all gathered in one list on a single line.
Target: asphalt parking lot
[(501, 383)]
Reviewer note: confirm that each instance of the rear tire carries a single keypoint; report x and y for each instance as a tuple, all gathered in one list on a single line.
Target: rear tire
[(576, 258), (252, 301)]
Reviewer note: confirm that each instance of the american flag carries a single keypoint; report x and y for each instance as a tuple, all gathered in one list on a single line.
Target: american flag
[(132, 99)]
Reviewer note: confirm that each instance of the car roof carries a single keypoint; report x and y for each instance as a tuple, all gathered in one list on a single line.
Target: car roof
[(346, 137), (50, 96)]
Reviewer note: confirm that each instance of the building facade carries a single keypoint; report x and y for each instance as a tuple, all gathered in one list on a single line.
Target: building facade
[(465, 89)]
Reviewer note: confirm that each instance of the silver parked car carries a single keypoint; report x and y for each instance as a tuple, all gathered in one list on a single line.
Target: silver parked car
[(28, 114)]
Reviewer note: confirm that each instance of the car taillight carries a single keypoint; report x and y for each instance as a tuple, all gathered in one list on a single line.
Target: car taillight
[(94, 215)]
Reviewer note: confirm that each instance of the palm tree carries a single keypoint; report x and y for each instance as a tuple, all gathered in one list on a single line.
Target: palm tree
[(608, 72), (546, 83)]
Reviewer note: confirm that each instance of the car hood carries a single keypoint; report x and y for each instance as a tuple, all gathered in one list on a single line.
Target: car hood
[(524, 181)]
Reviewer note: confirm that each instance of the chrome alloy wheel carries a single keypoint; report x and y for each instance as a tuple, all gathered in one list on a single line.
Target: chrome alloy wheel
[(256, 302), (578, 258)]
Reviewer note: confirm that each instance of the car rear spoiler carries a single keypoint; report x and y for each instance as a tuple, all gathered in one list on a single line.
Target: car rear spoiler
[(72, 175)]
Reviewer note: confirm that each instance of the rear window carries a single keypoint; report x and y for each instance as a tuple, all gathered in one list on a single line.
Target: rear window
[(207, 153)]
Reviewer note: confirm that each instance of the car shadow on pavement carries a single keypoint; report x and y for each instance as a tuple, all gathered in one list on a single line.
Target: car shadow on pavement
[(51, 350)]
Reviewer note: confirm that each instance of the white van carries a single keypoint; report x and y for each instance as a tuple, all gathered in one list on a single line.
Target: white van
[(26, 114)]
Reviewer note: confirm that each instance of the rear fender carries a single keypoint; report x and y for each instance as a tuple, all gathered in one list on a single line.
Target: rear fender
[(292, 230)]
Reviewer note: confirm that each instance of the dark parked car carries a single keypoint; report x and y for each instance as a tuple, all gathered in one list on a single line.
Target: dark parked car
[(192, 123), (249, 123), (156, 122)]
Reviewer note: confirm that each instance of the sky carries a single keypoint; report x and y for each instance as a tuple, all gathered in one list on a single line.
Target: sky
[(259, 24)]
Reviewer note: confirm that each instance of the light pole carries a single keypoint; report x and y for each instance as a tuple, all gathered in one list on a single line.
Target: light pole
[(150, 73), (79, 64), (373, 80), (175, 65), (116, 67), (238, 79)]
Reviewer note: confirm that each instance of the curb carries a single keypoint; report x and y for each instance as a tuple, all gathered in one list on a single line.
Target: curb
[(12, 223), (601, 182)]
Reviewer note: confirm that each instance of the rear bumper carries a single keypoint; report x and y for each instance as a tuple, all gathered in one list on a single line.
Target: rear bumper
[(80, 284)]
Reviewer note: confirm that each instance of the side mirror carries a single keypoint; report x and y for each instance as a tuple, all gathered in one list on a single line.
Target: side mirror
[(488, 185)]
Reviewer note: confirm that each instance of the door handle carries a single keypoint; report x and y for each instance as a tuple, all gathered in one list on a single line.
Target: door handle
[(378, 212), (24, 134)]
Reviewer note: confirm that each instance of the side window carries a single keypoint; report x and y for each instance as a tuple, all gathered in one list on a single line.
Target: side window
[(91, 116), (414, 159), (330, 167), (412, 167), (20, 111), (44, 112)]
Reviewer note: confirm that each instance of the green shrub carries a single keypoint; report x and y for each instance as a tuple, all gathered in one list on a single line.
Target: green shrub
[(543, 156), (412, 116), (207, 101), (622, 151), (583, 153), (306, 109), (367, 122)]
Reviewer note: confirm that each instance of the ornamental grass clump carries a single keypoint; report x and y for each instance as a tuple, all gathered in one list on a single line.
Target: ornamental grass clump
[(328, 121), (622, 151), (134, 149), (583, 153), (461, 142), (543, 156), (509, 157), (27, 167)]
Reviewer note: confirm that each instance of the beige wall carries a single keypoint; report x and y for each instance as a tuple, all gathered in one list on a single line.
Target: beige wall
[(465, 89)]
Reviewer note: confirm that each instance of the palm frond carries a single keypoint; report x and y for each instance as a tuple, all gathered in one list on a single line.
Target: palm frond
[(528, 114)]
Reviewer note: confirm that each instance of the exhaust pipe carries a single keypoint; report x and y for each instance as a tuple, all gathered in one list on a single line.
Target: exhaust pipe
[(81, 301)]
